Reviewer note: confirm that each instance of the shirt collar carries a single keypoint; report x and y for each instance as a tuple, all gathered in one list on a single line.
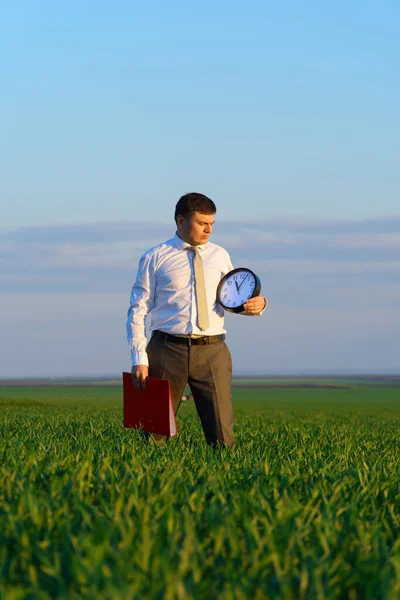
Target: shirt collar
[(182, 245)]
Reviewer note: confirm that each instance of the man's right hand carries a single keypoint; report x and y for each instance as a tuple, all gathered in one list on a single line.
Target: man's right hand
[(139, 374)]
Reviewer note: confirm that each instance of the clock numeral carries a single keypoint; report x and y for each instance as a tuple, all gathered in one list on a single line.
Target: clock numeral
[(225, 296), (234, 304), (229, 282)]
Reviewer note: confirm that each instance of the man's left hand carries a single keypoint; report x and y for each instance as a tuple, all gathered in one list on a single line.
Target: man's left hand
[(255, 305)]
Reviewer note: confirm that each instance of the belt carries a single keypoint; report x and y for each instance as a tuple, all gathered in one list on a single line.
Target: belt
[(198, 341)]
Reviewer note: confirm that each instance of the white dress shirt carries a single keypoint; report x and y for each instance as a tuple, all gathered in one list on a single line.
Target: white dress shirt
[(165, 289)]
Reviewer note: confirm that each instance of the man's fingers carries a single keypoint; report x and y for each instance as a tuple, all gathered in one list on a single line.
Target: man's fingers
[(255, 305), (139, 383), (250, 309), (139, 375)]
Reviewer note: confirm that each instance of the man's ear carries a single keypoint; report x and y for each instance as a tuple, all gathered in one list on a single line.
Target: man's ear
[(180, 220)]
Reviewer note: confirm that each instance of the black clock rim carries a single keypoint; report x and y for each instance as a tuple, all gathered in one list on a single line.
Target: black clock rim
[(256, 292)]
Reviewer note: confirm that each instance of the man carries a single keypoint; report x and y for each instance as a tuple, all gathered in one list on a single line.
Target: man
[(176, 284)]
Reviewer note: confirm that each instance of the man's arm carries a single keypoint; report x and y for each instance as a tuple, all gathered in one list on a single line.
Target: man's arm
[(141, 303)]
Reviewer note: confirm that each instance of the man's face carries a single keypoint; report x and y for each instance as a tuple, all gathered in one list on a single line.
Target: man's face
[(196, 229)]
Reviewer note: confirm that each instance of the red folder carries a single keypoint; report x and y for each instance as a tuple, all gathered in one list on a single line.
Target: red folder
[(150, 410)]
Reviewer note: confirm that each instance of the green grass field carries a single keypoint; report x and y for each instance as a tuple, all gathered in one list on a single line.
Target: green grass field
[(307, 506)]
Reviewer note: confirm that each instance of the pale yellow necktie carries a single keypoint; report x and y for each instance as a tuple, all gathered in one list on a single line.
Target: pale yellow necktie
[(201, 298)]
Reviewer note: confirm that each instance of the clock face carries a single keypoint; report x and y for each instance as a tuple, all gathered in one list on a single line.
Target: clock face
[(236, 287)]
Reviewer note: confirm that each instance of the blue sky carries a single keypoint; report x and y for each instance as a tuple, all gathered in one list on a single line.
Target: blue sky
[(286, 115)]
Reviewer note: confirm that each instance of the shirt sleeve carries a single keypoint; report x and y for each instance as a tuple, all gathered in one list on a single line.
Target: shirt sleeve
[(228, 266), (141, 303)]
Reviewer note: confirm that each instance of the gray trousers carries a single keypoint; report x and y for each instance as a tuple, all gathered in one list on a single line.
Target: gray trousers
[(208, 371)]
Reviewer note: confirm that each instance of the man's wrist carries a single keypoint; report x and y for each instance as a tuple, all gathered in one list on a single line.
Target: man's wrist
[(264, 307), (139, 358)]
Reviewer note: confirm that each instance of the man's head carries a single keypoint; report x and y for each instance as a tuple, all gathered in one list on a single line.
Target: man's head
[(194, 217)]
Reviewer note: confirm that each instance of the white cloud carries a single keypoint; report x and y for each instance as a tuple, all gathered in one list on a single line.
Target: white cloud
[(115, 254), (323, 267), (378, 240), (333, 288), (294, 257)]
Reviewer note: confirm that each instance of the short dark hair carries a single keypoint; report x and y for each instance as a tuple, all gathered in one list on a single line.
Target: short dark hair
[(194, 202)]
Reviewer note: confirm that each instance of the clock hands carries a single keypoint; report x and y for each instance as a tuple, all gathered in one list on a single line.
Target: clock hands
[(240, 285), (243, 280)]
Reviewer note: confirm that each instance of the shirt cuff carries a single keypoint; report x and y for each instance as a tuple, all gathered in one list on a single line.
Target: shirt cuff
[(139, 358), (265, 308)]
